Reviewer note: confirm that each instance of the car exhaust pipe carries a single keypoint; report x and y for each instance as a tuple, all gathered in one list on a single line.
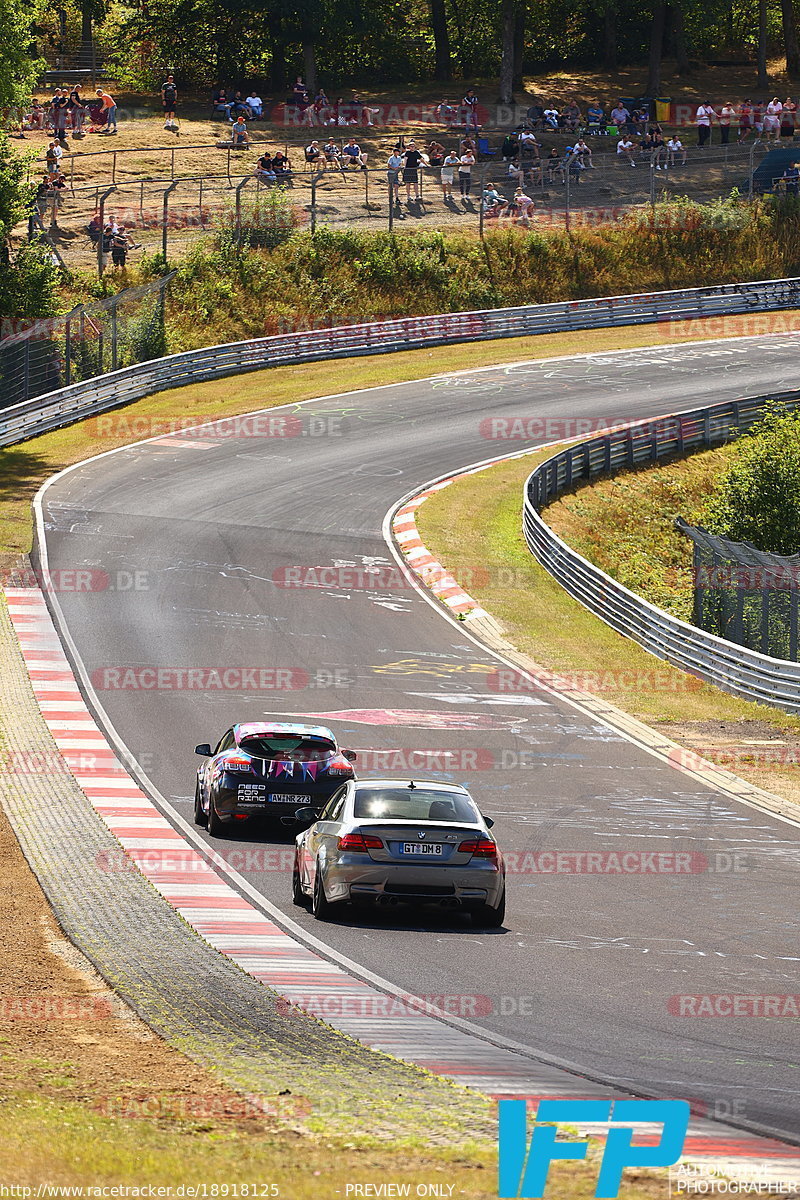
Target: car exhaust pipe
[(450, 902), (387, 901)]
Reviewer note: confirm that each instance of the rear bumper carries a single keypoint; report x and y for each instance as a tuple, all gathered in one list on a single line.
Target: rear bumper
[(381, 883), (243, 801)]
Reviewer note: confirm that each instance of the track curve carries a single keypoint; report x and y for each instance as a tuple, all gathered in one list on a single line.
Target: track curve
[(586, 967)]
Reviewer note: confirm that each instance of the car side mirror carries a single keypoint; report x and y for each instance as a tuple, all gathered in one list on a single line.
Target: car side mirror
[(489, 821), (306, 816), (350, 755), (204, 749)]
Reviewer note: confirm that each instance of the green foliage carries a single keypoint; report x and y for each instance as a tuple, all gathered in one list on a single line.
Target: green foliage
[(266, 220), (28, 278), (758, 497), (18, 68)]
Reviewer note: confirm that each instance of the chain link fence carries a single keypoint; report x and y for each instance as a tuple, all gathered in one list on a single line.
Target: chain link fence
[(89, 341), (745, 595)]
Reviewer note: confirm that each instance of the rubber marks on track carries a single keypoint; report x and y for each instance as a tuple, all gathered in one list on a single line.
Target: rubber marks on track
[(396, 1024), (422, 562)]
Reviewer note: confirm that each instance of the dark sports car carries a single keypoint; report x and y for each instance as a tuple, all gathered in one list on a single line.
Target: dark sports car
[(267, 770)]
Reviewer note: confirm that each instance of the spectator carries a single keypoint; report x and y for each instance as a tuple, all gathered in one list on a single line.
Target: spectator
[(221, 103), (658, 150), (322, 107), (239, 134), (449, 167), (465, 165), (169, 101), (435, 154), (772, 119), (37, 115), (674, 148), (528, 146), (573, 164), (727, 115), (300, 93), (470, 107), (554, 164), (535, 115), (492, 202), (255, 105), (42, 195), (362, 110), (412, 165), (745, 120), (468, 143), (53, 156), (596, 119), (56, 186), (314, 155), (332, 152), (394, 164), (551, 117), (581, 149), (75, 112), (626, 149), (758, 117), (110, 109), (571, 117), (120, 245), (621, 117), (264, 170), (282, 168), (353, 155), (238, 107), (524, 205), (446, 114), (791, 178), (59, 111), (640, 120), (788, 117), (510, 146), (703, 118)]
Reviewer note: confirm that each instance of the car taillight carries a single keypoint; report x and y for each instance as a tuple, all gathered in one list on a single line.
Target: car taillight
[(360, 842), (236, 763), (339, 766), (482, 848)]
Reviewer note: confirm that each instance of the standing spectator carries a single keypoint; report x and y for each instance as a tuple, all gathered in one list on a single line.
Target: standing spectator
[(727, 115), (76, 112), (470, 107), (353, 155), (524, 205), (758, 117), (625, 148), (60, 109), (300, 93), (110, 109), (449, 167), (40, 199), (772, 119), (255, 104), (788, 117), (393, 167), (745, 120), (703, 121), (465, 165), (321, 107), (120, 245), (412, 165), (674, 148), (53, 156), (57, 186), (169, 101)]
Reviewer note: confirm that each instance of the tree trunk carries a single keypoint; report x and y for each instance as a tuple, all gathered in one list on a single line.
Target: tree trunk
[(86, 22), (610, 56), (763, 79), (519, 45), (507, 62), (310, 65), (679, 29), (790, 38), (441, 40), (277, 62), (653, 86)]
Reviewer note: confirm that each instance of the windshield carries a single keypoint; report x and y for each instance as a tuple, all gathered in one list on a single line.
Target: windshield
[(405, 804), (288, 749)]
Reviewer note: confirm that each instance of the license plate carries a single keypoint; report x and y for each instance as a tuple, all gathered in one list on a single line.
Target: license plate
[(422, 848), (288, 798)]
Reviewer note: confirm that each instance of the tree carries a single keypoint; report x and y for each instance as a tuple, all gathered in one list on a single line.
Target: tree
[(653, 86), (441, 40), (18, 69), (27, 278), (790, 37), (763, 79), (509, 24), (757, 499)]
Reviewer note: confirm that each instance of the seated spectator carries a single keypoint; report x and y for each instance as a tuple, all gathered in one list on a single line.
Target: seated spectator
[(241, 137), (221, 103), (353, 155), (237, 107), (573, 163), (255, 105), (554, 164), (551, 117), (93, 228), (581, 149), (523, 205), (535, 115), (446, 113), (791, 179), (282, 168), (510, 147), (674, 148), (658, 151), (314, 154), (626, 149), (332, 151), (528, 145), (492, 202), (435, 154), (571, 117), (621, 117), (322, 107), (596, 119), (36, 116), (362, 110), (264, 170), (640, 120)]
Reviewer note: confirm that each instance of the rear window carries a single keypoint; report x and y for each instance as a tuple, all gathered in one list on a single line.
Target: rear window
[(403, 804), (288, 749)]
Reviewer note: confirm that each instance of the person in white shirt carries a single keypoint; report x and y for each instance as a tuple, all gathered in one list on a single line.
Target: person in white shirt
[(255, 104), (703, 120), (465, 165), (583, 152), (620, 116), (449, 167), (625, 147), (675, 147), (772, 119), (551, 118), (523, 205), (727, 115)]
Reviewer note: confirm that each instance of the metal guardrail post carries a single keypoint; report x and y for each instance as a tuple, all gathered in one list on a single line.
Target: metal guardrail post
[(391, 208), (114, 334), (101, 207), (238, 210), (313, 202), (164, 218)]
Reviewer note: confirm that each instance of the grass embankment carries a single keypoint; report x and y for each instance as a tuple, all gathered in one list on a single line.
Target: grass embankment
[(478, 519), (343, 277)]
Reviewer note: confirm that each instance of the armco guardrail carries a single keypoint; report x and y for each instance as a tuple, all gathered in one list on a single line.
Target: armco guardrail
[(58, 408), (735, 669)]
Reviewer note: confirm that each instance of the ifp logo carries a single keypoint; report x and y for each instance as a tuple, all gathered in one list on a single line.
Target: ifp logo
[(523, 1170)]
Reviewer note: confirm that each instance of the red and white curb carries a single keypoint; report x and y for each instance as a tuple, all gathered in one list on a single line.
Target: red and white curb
[(422, 562), (404, 1026)]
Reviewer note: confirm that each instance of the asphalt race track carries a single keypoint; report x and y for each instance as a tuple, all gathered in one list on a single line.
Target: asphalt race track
[(584, 970)]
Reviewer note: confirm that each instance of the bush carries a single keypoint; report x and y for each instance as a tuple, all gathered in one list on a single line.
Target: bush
[(757, 499), (266, 220)]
